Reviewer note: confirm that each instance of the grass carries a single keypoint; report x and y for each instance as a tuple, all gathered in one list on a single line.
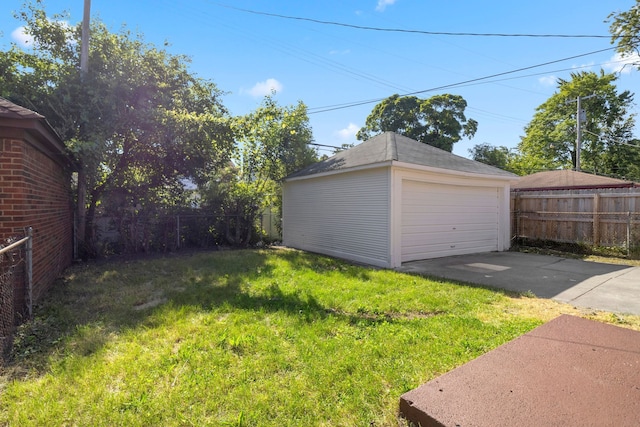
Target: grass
[(256, 337)]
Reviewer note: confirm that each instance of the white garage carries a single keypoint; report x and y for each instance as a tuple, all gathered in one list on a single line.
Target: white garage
[(391, 200)]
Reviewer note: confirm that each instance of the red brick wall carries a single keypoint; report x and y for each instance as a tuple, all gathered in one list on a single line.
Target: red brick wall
[(35, 191)]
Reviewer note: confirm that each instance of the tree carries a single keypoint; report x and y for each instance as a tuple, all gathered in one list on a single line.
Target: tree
[(491, 155), (550, 138), (139, 123), (273, 143), (438, 121), (625, 30)]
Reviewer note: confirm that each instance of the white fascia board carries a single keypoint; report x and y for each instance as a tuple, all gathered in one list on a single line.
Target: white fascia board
[(337, 171), (414, 167)]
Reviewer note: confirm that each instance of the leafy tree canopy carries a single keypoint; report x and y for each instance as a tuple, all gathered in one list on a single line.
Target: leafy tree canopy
[(273, 143), (139, 121), (438, 121), (625, 30), (550, 138), (499, 157)]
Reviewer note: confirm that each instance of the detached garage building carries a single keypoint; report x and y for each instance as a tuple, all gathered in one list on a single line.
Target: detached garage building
[(391, 200)]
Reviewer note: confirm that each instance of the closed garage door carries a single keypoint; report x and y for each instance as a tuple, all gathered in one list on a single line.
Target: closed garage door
[(442, 220)]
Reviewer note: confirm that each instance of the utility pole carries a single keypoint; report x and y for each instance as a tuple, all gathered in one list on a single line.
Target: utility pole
[(81, 208), (84, 51), (578, 132), (581, 116)]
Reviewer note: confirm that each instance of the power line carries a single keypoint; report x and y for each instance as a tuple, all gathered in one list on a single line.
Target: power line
[(400, 30), (288, 48), (322, 145), (358, 103)]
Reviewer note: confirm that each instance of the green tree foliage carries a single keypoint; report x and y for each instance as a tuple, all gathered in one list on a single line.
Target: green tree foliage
[(625, 30), (486, 153), (438, 121), (550, 138), (273, 143), (139, 123)]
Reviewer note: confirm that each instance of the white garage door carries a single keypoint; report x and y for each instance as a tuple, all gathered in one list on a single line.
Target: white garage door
[(442, 220)]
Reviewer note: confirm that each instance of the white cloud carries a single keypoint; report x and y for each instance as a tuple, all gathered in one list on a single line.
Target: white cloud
[(349, 132), (382, 4), (21, 37), (265, 88), (584, 66), (339, 52), (623, 63), (548, 80)]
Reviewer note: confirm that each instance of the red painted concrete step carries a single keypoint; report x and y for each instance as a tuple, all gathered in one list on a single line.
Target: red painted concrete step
[(567, 372)]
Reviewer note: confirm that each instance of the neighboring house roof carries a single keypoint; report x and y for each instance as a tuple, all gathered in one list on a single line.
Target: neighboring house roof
[(567, 179), (391, 147)]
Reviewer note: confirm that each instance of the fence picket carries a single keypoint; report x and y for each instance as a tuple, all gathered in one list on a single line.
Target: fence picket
[(600, 218)]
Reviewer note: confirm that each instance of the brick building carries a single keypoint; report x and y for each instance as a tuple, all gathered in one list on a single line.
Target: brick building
[(35, 191)]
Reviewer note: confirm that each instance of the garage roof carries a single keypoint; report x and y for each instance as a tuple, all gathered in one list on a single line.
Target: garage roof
[(393, 147)]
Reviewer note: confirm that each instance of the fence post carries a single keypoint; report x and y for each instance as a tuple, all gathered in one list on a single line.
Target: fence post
[(628, 234), (596, 219), (29, 269)]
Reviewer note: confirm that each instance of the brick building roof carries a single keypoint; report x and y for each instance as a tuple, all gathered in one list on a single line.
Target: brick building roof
[(13, 111), (14, 118)]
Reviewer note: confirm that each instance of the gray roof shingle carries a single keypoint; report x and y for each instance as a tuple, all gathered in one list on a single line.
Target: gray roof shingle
[(390, 146), (12, 111)]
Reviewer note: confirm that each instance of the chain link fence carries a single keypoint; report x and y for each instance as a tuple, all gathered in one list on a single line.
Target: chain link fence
[(148, 233), (15, 275)]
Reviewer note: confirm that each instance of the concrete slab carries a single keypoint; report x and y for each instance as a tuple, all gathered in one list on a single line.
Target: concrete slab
[(609, 287), (570, 371)]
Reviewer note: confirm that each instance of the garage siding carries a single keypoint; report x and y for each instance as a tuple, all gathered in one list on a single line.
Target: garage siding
[(344, 215), (442, 220)]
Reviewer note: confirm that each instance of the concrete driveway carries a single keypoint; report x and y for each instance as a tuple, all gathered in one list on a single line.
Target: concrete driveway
[(607, 287)]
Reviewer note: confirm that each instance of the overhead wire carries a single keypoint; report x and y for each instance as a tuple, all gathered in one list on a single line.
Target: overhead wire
[(447, 86), (301, 54), (402, 30), (360, 75)]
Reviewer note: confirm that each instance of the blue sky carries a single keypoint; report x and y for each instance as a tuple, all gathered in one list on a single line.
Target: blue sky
[(248, 54)]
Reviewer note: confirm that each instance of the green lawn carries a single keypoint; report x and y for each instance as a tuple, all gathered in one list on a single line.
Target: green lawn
[(243, 338)]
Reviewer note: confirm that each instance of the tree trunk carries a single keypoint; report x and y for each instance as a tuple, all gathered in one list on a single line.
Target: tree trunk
[(81, 211)]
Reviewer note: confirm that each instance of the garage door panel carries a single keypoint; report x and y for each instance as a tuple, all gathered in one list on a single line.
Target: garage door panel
[(442, 220), (451, 209), (445, 217), (455, 239), (449, 219), (434, 228), (451, 199), (442, 250)]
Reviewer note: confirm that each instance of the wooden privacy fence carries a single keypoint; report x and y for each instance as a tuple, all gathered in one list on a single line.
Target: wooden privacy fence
[(595, 218)]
